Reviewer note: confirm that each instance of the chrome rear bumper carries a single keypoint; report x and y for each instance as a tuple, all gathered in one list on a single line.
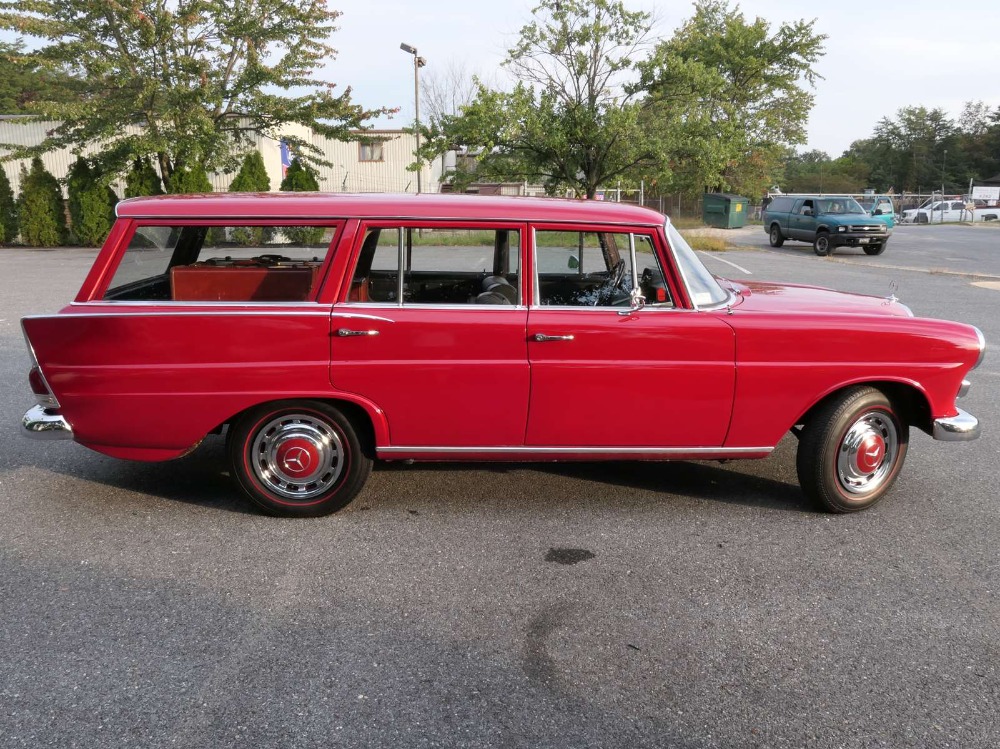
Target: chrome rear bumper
[(959, 428), (41, 424)]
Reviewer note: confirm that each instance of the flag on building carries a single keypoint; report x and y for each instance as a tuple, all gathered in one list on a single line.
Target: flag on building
[(286, 158)]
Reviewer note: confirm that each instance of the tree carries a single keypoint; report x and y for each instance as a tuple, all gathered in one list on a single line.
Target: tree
[(91, 204), (568, 122), (726, 97), (299, 178), (25, 81), (186, 81), (8, 210), (189, 180), (252, 177), (40, 207), (142, 179)]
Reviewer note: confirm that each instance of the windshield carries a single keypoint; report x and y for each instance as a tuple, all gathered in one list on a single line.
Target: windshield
[(838, 205), (702, 286)]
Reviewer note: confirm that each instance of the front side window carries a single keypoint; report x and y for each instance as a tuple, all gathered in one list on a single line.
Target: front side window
[(232, 263), (440, 266), (597, 269)]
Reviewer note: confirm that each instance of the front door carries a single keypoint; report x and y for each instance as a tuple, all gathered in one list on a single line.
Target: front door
[(432, 331), (657, 377)]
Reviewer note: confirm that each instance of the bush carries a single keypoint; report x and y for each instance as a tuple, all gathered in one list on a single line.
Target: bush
[(142, 179), (189, 180), (252, 177), (40, 208), (91, 204), (299, 178), (8, 210)]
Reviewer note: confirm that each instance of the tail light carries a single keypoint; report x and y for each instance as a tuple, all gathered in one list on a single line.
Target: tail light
[(36, 379)]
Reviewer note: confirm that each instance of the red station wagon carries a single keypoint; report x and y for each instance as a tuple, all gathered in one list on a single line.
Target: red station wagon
[(323, 331)]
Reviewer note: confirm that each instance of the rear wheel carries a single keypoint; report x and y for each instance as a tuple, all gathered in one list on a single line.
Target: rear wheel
[(775, 236), (821, 245), (298, 458), (875, 249), (851, 450)]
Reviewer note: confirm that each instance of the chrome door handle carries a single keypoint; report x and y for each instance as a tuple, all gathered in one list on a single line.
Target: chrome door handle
[(542, 338), (345, 332)]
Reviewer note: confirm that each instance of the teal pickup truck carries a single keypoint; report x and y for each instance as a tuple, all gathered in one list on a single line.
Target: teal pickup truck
[(825, 222)]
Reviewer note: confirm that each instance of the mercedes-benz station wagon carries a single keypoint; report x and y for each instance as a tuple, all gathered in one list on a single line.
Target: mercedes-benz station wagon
[(322, 332)]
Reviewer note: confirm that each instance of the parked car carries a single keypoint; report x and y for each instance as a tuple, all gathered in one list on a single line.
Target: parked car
[(826, 222), (321, 332)]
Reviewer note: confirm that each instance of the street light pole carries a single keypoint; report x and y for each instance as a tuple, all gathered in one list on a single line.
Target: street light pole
[(418, 62)]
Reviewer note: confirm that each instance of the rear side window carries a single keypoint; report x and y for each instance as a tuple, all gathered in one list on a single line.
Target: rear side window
[(439, 266), (781, 205), (232, 263)]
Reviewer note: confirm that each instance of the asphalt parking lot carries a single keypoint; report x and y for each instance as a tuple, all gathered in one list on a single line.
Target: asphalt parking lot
[(593, 605)]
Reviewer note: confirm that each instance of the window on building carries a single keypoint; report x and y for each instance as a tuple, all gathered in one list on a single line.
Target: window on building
[(371, 151)]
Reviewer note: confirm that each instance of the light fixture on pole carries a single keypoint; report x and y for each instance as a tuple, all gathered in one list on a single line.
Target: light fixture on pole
[(418, 62)]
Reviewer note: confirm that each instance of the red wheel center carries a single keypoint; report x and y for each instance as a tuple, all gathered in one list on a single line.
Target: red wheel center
[(871, 453), (297, 457)]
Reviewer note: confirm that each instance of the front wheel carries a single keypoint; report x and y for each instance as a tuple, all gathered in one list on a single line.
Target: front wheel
[(821, 245), (851, 450), (875, 249), (298, 458), (775, 236)]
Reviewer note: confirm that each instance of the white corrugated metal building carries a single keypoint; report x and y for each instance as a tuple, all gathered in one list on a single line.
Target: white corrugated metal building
[(374, 165)]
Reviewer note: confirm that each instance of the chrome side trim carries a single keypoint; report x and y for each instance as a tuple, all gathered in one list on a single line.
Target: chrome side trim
[(211, 304), (713, 451), (40, 424), (215, 312), (963, 390), (959, 428)]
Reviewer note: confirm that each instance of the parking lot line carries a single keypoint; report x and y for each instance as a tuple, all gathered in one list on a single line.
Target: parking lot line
[(727, 262)]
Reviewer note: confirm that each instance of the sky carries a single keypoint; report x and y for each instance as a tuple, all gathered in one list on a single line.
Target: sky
[(881, 55)]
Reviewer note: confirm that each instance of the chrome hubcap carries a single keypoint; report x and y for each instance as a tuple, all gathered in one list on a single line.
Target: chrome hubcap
[(297, 456), (867, 453)]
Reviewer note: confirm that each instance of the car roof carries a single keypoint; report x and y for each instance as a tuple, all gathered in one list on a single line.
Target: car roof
[(317, 205)]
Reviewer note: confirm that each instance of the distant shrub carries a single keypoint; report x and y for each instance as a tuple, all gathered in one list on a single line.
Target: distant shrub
[(42, 216), (252, 177), (300, 178), (142, 179), (8, 210), (189, 180), (91, 204)]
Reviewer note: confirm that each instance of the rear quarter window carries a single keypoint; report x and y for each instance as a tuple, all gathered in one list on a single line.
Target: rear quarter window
[(781, 205)]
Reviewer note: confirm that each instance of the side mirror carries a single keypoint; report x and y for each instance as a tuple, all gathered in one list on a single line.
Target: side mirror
[(638, 302), (878, 212), (807, 211)]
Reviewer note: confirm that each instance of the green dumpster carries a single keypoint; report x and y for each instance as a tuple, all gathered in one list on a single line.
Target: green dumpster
[(724, 210)]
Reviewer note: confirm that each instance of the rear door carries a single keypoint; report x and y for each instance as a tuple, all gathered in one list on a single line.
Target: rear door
[(432, 331)]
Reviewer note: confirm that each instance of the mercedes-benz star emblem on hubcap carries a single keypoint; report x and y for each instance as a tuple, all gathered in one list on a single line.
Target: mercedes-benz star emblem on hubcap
[(297, 459)]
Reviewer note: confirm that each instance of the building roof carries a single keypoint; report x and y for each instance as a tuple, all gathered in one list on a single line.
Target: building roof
[(316, 205)]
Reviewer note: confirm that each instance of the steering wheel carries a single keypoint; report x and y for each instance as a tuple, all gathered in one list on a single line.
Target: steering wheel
[(612, 283)]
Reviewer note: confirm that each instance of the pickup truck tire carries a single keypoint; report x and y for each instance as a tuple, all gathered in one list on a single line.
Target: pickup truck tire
[(851, 450), (821, 245), (875, 249), (775, 236)]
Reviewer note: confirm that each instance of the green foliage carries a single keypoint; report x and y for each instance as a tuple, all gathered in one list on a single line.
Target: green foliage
[(568, 122), (40, 208), (725, 98), (91, 204), (184, 82), (299, 178), (815, 171), (26, 80), (252, 176), (142, 179), (8, 210), (189, 180)]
